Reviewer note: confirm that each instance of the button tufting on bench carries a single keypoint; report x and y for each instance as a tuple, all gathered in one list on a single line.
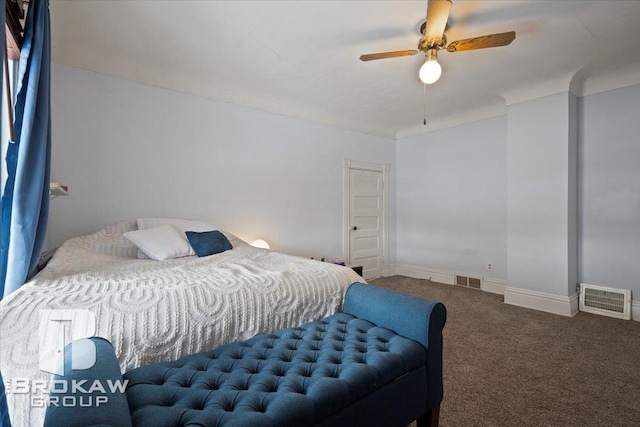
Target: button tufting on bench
[(341, 357)]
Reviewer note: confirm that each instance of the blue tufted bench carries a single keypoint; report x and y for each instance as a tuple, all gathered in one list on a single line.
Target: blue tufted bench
[(379, 363)]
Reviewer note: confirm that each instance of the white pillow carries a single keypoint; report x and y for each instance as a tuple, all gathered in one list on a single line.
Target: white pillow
[(160, 243), (179, 224), (182, 225)]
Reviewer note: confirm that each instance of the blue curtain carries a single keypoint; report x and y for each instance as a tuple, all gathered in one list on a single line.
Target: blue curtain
[(4, 412), (25, 201)]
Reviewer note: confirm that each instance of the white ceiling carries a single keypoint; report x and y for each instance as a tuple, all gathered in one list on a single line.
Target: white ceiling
[(300, 58)]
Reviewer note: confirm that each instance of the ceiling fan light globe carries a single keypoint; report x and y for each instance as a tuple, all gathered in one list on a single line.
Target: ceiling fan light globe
[(430, 71)]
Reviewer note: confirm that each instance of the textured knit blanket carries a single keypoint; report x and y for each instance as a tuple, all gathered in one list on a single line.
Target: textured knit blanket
[(160, 310)]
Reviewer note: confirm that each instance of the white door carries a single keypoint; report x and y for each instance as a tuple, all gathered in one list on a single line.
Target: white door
[(366, 189)]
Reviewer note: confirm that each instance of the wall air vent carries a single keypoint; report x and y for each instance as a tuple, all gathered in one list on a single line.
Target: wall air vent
[(468, 281), (605, 301), (475, 283)]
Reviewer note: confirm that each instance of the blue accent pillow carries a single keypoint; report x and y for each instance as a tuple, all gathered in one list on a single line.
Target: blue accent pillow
[(208, 242)]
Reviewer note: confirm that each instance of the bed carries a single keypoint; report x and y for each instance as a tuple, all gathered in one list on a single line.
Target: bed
[(155, 311)]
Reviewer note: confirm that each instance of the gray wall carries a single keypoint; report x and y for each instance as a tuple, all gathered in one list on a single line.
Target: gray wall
[(128, 150), (539, 224), (609, 198), (444, 176), (452, 199)]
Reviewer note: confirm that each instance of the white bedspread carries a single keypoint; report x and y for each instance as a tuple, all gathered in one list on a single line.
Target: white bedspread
[(160, 310)]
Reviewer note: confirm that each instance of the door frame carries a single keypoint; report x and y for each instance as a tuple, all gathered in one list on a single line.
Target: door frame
[(348, 165)]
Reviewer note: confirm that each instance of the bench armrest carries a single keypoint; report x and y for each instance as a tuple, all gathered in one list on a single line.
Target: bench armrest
[(416, 318), (4, 410), (74, 407)]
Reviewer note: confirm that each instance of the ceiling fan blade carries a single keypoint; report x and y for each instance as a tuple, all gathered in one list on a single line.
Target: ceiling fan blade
[(492, 40), (384, 55), (437, 16)]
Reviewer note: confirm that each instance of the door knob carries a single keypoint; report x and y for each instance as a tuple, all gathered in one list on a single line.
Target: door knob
[(354, 228)]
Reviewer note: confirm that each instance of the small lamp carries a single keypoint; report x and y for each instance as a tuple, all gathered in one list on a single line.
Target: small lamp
[(260, 244)]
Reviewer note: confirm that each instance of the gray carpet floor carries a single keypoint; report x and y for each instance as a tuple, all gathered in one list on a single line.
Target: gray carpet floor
[(511, 366)]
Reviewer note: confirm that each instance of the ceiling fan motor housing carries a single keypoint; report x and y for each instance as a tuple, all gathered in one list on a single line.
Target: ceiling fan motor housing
[(427, 43)]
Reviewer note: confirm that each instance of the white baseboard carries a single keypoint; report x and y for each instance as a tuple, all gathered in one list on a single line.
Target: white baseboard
[(389, 270), (489, 284), (542, 301), (635, 310), (440, 276), (495, 286)]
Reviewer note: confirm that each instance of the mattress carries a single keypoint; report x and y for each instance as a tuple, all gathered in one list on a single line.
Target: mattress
[(156, 311)]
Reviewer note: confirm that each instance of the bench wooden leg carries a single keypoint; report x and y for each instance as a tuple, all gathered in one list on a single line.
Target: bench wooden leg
[(430, 419)]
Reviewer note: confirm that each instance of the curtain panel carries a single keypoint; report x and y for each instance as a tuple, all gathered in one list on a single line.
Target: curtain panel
[(4, 411), (25, 200)]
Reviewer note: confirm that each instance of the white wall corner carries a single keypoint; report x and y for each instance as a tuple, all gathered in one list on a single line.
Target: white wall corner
[(542, 301), (493, 285), (389, 270), (635, 310), (416, 272)]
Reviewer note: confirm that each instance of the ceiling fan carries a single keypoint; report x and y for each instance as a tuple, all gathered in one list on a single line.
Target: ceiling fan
[(433, 39)]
